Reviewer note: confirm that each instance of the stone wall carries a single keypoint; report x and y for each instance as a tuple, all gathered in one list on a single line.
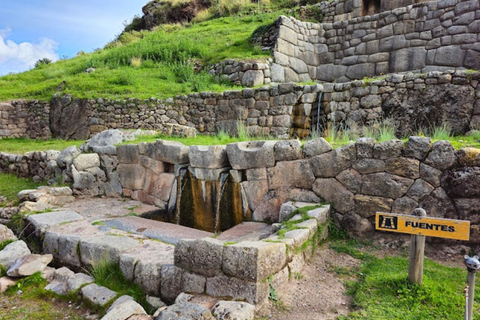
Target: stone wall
[(245, 270), (24, 119), (436, 35), (419, 100), (340, 10), (358, 179), (250, 73), (268, 110), (415, 102)]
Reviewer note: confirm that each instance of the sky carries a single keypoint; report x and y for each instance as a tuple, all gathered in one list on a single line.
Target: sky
[(35, 29)]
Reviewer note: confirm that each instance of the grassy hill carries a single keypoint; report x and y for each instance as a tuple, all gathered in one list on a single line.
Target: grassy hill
[(160, 64), (146, 64)]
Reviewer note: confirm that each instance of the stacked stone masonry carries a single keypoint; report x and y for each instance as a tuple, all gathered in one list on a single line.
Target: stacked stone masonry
[(358, 179), (278, 110), (246, 73), (434, 35)]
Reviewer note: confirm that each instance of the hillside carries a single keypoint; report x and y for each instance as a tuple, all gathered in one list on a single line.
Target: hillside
[(158, 63)]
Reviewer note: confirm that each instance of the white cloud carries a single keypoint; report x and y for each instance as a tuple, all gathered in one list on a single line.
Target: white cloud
[(17, 57)]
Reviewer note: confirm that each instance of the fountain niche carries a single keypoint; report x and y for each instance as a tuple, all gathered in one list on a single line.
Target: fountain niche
[(214, 203)]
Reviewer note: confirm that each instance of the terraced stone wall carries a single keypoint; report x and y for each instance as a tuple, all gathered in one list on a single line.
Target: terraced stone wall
[(435, 35), (415, 102), (358, 179), (25, 119), (270, 110)]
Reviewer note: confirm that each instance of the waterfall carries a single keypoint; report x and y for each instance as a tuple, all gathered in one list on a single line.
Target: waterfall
[(220, 191), (319, 105), (180, 186)]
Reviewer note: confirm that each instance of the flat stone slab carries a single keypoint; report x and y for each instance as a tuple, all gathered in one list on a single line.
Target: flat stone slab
[(246, 231), (93, 209), (42, 221), (166, 232), (98, 295)]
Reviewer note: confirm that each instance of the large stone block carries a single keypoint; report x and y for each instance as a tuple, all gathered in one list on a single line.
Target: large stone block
[(237, 289), (334, 192), (224, 310), (462, 183), (385, 185), (419, 190), (253, 78), (43, 221), (211, 157), (253, 261), (351, 179), (131, 176), (159, 186), (287, 150), (365, 166), (171, 152), (388, 149), (408, 59), (404, 167), (202, 256), (86, 161), (98, 248), (367, 206), (468, 209), (128, 154), (255, 192), (438, 204), (171, 282), (316, 147), (451, 56), (68, 249), (330, 164), (418, 147), (98, 295), (252, 154), (442, 155), (290, 174)]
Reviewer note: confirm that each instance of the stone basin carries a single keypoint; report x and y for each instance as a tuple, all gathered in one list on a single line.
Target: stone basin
[(251, 154)]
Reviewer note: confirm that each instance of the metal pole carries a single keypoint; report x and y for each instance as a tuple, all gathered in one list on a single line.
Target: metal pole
[(473, 265), (471, 292), (466, 302), (417, 249)]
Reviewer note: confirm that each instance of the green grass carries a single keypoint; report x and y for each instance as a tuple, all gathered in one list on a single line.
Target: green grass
[(23, 145), (381, 289), (166, 58), (108, 274), (199, 140), (10, 185), (37, 303)]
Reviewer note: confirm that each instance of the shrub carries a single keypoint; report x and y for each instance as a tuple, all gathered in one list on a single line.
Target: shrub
[(42, 62)]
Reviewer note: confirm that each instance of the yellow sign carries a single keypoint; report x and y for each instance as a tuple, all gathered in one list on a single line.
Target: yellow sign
[(425, 226)]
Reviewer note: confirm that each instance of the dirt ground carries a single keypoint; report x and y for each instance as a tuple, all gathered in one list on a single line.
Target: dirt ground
[(320, 293)]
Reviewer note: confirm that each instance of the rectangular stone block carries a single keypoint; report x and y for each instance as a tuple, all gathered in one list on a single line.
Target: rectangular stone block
[(202, 256), (253, 261), (238, 289)]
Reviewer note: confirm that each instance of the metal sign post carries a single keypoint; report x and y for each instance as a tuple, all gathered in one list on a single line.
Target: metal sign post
[(473, 265)]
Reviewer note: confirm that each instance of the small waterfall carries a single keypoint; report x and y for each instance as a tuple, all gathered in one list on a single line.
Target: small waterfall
[(210, 205), (319, 106), (181, 183), (221, 189)]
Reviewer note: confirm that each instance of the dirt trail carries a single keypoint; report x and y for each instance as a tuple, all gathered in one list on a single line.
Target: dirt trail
[(319, 294)]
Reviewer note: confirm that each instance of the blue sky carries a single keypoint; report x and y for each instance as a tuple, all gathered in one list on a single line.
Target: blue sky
[(34, 29)]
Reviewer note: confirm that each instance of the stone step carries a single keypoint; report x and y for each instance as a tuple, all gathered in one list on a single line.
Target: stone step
[(164, 231), (246, 231), (93, 209)]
